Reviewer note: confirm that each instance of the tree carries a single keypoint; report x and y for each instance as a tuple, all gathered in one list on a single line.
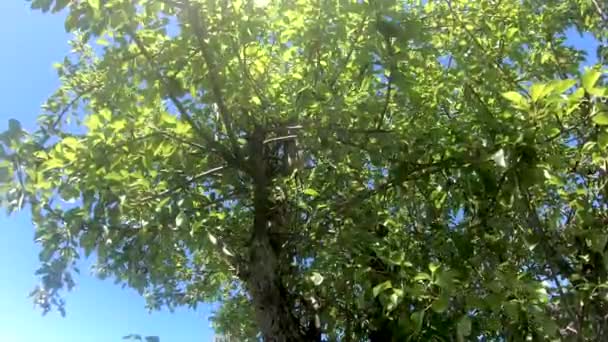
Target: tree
[(329, 170), (136, 337)]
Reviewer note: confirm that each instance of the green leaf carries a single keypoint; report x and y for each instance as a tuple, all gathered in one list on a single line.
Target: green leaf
[(43, 5), (516, 99), (590, 78), (559, 87), (539, 91), (316, 278), (441, 304), (433, 267), (14, 127), (464, 326), (381, 288), (53, 163), (418, 319), (132, 337), (499, 158), (597, 242), (445, 279), (212, 238), (542, 294), (102, 42), (71, 142), (602, 139), (59, 5), (310, 192), (422, 276), (549, 325), (93, 122), (114, 176), (94, 4), (393, 300), (181, 220), (601, 119), (512, 310)]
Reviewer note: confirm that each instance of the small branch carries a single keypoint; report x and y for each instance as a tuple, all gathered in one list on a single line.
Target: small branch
[(199, 24), (600, 11), (70, 104), (181, 140), (350, 53), (188, 182), (386, 100), (134, 138), (350, 143), (250, 78), (287, 137), (334, 128), (61, 114), (562, 295), (165, 80), (182, 109), (484, 50), (229, 197), (479, 99)]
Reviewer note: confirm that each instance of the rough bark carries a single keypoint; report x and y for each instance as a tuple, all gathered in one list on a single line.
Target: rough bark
[(272, 305), (273, 312)]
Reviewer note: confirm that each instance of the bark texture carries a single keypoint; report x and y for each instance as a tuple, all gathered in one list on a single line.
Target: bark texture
[(272, 304)]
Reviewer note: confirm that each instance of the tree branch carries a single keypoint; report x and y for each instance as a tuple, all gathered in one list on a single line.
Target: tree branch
[(64, 111), (497, 65), (350, 53), (600, 11), (199, 25), (386, 100), (165, 80), (180, 140), (188, 182), (182, 109), (287, 137)]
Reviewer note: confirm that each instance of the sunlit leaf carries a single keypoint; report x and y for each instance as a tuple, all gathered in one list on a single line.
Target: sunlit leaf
[(310, 192), (590, 78), (316, 278), (518, 100), (601, 118), (441, 304), (381, 288)]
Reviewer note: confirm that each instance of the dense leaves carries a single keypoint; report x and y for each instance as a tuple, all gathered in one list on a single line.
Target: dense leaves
[(329, 170)]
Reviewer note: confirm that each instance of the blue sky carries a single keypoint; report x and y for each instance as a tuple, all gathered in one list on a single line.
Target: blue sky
[(97, 311)]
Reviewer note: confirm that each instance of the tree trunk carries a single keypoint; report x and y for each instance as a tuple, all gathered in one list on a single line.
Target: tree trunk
[(263, 279), (273, 311)]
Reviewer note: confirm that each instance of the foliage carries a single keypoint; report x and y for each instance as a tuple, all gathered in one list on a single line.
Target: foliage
[(136, 337), (337, 170)]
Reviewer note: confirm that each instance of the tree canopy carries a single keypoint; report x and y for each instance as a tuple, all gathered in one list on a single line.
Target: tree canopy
[(329, 170)]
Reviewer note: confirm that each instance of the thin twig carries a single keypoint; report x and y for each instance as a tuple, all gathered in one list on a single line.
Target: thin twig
[(386, 100), (188, 182), (72, 103), (484, 50), (166, 82), (600, 11), (283, 138), (181, 140), (354, 42)]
